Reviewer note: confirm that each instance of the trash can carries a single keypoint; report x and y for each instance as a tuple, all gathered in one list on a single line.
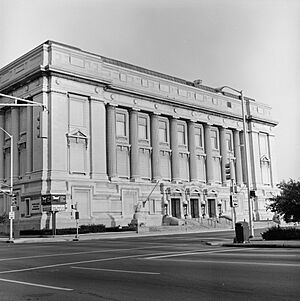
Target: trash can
[(241, 232)]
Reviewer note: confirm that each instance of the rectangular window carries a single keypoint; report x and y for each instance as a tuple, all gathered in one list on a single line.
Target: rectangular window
[(163, 131), (229, 142), (143, 127), (27, 208), (263, 144), (120, 125), (214, 139), (181, 134), (198, 137)]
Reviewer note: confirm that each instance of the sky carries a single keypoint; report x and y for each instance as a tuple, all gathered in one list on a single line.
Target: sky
[(251, 45)]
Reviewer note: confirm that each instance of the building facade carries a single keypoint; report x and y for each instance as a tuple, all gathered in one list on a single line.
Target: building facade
[(117, 139)]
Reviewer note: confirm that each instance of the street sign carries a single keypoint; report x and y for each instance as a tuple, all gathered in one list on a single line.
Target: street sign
[(11, 215), (46, 208), (58, 207)]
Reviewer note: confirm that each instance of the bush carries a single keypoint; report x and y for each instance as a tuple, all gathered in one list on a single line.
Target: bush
[(82, 229), (4, 218), (278, 233)]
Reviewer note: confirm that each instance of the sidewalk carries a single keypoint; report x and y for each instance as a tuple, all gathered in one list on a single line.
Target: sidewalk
[(253, 243)]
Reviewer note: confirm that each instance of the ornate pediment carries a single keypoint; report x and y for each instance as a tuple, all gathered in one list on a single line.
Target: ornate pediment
[(264, 159), (77, 136)]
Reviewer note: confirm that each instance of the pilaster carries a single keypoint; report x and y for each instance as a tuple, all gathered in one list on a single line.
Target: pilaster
[(175, 153), (15, 134), (2, 134), (238, 157), (209, 157), (134, 149), (223, 154), (192, 150), (155, 148), (111, 141)]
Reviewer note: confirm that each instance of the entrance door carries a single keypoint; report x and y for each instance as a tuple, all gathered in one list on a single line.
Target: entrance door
[(175, 208), (194, 207), (211, 207)]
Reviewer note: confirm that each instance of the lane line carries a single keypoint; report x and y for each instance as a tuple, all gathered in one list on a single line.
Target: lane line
[(77, 253), (76, 262), (260, 255), (118, 271), (36, 284), (235, 262), (196, 253)]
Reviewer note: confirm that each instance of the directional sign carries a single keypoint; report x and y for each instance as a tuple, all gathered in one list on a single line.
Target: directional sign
[(58, 207)]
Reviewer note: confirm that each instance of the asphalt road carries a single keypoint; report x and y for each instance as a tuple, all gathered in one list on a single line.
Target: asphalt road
[(175, 267)]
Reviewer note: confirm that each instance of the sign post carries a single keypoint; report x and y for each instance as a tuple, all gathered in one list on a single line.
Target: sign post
[(53, 204), (76, 238)]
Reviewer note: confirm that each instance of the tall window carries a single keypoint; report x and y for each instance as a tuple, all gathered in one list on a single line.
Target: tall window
[(120, 125), (163, 131), (229, 142), (198, 137), (143, 128), (181, 134), (214, 139), (263, 144)]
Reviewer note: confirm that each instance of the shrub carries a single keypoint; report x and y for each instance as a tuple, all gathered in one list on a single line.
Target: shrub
[(82, 229), (4, 218), (278, 233)]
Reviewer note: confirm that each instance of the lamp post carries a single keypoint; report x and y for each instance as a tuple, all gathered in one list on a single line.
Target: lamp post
[(11, 239), (245, 144)]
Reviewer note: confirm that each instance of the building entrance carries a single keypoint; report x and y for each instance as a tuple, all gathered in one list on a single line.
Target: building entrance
[(212, 207), (175, 208), (194, 208)]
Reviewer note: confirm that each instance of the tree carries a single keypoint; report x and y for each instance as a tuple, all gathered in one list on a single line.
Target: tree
[(287, 204)]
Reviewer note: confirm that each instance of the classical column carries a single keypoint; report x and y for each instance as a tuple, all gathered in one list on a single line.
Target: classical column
[(15, 134), (274, 179), (238, 157), (111, 142), (29, 141), (174, 148), (243, 155), (209, 157), (192, 150), (155, 148), (2, 134), (224, 154), (134, 148), (98, 140)]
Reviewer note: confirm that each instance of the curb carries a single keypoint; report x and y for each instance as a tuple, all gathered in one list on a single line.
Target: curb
[(263, 245)]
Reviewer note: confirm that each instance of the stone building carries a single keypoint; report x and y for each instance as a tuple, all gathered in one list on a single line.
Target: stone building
[(119, 139)]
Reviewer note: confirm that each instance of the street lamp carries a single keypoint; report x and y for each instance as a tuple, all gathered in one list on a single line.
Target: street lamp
[(245, 136), (11, 239)]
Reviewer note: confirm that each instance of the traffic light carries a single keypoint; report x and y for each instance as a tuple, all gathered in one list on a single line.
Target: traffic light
[(228, 172), (13, 199), (233, 201)]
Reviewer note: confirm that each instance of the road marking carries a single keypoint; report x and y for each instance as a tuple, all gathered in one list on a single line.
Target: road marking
[(77, 253), (236, 262), (36, 284), (197, 252), (260, 255), (77, 262), (118, 271)]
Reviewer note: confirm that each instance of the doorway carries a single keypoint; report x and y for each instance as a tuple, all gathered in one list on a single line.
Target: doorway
[(212, 207), (194, 208), (175, 208)]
